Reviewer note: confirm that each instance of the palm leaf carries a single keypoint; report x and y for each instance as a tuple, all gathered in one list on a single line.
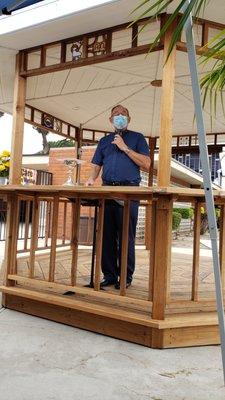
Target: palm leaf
[(159, 6), (213, 82)]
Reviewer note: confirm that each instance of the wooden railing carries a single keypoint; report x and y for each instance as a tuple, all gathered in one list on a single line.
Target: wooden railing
[(64, 204)]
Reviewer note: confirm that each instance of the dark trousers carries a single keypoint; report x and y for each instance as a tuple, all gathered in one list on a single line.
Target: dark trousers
[(112, 240)]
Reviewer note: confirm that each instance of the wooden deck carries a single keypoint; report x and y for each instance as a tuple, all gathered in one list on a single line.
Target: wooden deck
[(171, 302), (104, 312), (181, 274)]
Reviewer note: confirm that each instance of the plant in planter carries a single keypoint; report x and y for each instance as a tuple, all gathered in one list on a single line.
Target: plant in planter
[(4, 167)]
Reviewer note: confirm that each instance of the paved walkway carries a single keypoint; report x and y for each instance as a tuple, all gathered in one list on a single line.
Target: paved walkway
[(41, 359), (45, 360)]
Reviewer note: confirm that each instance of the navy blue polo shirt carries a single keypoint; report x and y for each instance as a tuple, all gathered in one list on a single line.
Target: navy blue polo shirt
[(117, 165)]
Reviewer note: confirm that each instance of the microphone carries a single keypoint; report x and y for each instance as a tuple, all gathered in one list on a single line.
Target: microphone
[(120, 133)]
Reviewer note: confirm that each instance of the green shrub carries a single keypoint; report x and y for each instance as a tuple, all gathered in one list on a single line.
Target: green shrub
[(185, 213), (176, 220)]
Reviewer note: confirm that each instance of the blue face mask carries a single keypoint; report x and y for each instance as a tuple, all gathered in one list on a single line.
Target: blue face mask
[(120, 121)]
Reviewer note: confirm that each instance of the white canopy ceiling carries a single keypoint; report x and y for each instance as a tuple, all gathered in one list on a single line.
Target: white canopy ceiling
[(85, 95)]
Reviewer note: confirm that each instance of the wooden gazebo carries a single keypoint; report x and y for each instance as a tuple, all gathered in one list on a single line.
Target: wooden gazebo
[(67, 85)]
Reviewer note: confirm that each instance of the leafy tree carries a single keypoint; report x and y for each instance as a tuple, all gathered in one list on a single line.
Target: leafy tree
[(45, 143), (62, 143)]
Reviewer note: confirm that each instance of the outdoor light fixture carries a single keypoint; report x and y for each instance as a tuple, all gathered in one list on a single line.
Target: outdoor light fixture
[(156, 83)]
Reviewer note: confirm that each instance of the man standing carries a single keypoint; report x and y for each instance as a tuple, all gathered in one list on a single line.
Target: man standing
[(121, 155)]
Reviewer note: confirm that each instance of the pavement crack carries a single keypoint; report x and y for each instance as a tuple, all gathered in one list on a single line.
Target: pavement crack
[(174, 374)]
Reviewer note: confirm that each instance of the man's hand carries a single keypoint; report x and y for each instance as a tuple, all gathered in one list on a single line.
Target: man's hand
[(95, 169), (89, 182), (118, 140)]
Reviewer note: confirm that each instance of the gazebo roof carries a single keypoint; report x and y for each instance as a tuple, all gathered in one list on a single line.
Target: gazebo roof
[(85, 95)]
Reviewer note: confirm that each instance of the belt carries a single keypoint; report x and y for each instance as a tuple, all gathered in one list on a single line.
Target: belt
[(124, 183)]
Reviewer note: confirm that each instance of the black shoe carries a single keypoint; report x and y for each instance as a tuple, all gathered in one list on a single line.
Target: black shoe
[(107, 282), (117, 285), (69, 293)]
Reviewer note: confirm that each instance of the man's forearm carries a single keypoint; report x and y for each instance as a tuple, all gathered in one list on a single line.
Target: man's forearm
[(141, 160), (95, 170)]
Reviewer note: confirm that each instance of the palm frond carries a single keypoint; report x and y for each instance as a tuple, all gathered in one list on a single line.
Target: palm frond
[(152, 9), (213, 83)]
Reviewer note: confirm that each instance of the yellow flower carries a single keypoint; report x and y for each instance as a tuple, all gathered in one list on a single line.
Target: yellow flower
[(2, 167), (5, 153), (7, 164)]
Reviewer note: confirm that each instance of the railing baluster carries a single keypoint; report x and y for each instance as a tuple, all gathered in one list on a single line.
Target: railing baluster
[(54, 238), (64, 222), (27, 223), (124, 250), (34, 234), (75, 239), (99, 236), (48, 222), (196, 251)]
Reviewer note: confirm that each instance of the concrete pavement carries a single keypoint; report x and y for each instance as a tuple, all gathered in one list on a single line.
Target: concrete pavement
[(41, 359)]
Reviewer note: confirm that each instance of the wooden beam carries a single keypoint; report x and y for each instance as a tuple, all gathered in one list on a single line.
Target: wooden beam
[(166, 113), (116, 55), (55, 121), (18, 125), (195, 149)]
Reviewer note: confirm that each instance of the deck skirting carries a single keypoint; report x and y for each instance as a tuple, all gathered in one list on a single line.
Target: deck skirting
[(172, 332)]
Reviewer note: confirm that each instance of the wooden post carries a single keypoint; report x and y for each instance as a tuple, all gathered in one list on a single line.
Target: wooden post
[(148, 210), (166, 113), (162, 256), (196, 251), (18, 125)]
